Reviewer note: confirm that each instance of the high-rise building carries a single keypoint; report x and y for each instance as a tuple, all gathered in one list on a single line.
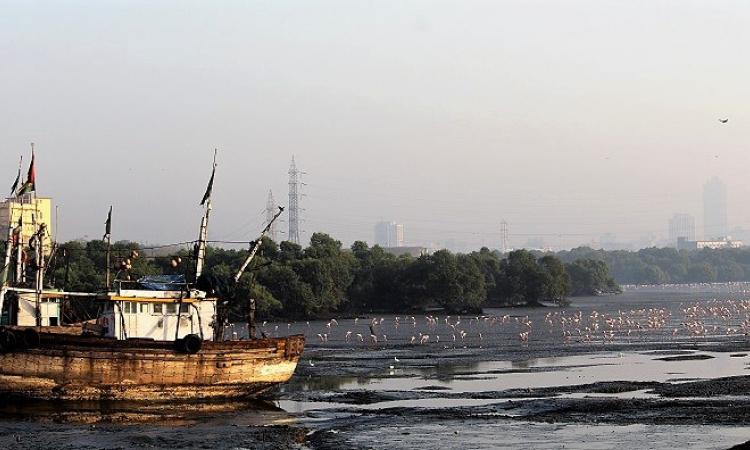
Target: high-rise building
[(389, 234), (681, 226), (715, 223)]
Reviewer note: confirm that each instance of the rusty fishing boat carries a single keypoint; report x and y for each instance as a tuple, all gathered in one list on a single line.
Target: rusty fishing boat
[(160, 338)]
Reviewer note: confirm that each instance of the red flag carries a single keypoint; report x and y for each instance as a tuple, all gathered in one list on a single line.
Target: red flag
[(31, 176), (30, 184)]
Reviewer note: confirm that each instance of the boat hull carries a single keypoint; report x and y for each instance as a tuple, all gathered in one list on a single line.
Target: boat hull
[(69, 367)]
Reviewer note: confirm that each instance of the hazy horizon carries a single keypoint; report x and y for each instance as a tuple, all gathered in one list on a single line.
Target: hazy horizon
[(568, 120)]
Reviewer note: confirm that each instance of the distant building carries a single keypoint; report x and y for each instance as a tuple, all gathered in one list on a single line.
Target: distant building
[(740, 234), (389, 234), (535, 243), (35, 211), (715, 223), (413, 251), (684, 244), (681, 226)]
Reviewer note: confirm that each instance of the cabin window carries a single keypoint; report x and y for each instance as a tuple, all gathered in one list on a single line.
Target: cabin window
[(158, 308), (143, 307), (184, 308), (171, 308), (127, 308)]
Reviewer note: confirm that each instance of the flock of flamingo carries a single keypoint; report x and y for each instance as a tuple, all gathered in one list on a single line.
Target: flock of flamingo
[(703, 319)]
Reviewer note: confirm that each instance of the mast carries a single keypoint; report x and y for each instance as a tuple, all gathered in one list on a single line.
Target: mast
[(8, 252), (20, 275), (203, 234), (253, 251), (39, 278), (6, 265), (108, 236), (202, 238), (256, 245)]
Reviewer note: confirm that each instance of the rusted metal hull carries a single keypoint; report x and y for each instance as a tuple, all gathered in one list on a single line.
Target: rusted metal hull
[(70, 367)]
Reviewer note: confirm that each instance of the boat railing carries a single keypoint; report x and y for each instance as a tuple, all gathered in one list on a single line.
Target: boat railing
[(129, 285)]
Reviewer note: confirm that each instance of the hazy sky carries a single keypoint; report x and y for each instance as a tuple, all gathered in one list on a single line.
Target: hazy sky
[(571, 118)]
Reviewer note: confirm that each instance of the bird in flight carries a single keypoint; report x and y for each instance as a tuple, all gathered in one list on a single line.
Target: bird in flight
[(723, 120)]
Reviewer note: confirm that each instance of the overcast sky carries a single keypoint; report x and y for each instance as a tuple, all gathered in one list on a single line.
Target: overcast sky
[(572, 118)]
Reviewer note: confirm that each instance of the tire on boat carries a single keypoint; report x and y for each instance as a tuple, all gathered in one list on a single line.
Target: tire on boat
[(191, 344), (8, 340), (31, 338)]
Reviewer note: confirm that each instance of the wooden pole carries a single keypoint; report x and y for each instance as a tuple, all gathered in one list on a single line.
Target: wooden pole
[(8, 253), (8, 247), (20, 276), (39, 272), (256, 245), (109, 260), (202, 238)]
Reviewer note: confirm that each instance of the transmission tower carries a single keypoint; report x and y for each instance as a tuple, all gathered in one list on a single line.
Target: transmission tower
[(271, 209), (293, 203), (504, 236)]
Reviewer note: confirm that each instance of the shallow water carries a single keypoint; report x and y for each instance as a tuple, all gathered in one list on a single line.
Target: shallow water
[(537, 373)]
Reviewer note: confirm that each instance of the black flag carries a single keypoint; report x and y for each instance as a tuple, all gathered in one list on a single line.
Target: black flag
[(108, 224), (18, 179), (207, 195)]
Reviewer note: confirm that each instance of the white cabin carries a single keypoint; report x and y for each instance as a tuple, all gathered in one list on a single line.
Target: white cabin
[(154, 315), (160, 313), (23, 313)]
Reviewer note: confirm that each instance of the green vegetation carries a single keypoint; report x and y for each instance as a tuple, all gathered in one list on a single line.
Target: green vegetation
[(668, 265), (290, 281)]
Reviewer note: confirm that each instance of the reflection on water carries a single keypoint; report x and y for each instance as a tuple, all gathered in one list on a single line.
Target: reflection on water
[(249, 412), (523, 364), (498, 376)]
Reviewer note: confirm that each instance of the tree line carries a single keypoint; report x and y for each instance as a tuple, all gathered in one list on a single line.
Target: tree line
[(669, 265), (287, 280)]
